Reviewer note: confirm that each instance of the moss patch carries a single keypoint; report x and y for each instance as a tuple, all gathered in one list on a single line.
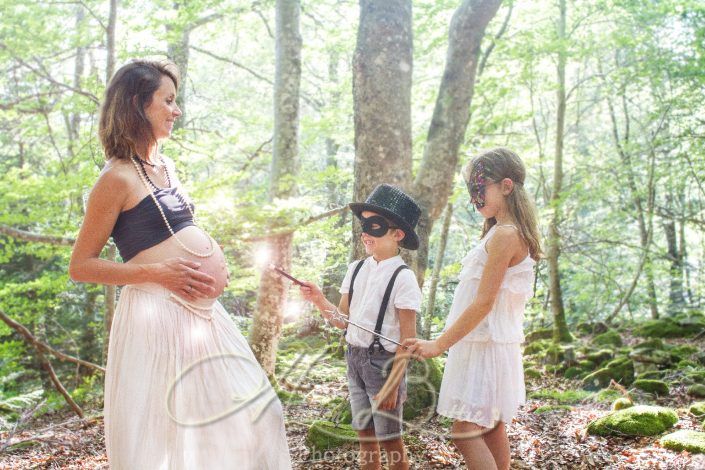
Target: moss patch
[(532, 373), (622, 403), (640, 420), (562, 397), (657, 387), (697, 390), (552, 408), (606, 395), (698, 409), (541, 333), (620, 370), (692, 441), (340, 411), (424, 382), (324, 435), (598, 357), (678, 327), (608, 338)]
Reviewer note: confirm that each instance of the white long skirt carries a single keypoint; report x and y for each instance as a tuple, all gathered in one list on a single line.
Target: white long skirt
[(183, 392), (483, 383)]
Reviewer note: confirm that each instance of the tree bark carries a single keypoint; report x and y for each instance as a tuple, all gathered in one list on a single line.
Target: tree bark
[(382, 66), (560, 327), (434, 180), (437, 266), (271, 296), (110, 41)]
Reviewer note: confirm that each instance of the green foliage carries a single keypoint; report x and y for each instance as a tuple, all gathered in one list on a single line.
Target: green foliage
[(669, 328), (640, 420), (691, 441)]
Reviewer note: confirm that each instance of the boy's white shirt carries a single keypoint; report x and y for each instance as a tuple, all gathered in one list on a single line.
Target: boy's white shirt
[(370, 284)]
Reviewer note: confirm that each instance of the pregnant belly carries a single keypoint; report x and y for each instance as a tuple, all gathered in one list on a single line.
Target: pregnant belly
[(198, 241)]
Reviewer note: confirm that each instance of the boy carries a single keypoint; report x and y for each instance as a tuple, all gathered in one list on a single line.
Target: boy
[(381, 294)]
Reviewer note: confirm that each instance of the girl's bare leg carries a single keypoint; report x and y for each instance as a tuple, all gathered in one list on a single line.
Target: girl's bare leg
[(498, 443), (468, 438)]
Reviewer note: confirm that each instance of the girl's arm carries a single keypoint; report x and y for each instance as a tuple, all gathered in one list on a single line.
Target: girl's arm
[(105, 202), (500, 250)]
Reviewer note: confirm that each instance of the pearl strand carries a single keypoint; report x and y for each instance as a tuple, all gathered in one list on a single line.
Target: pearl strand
[(166, 221)]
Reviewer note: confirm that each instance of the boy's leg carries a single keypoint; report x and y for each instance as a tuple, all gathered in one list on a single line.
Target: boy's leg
[(369, 450), (498, 443), (468, 438), (396, 454)]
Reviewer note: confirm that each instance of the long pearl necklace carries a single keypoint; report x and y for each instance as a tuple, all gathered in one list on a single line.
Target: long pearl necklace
[(143, 178)]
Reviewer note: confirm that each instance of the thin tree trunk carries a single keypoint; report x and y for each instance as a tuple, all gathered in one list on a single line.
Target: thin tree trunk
[(382, 66), (434, 180), (560, 327), (110, 41), (271, 297), (675, 292), (437, 266)]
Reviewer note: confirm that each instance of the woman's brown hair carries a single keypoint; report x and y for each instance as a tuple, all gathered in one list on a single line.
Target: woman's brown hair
[(500, 163), (123, 126)]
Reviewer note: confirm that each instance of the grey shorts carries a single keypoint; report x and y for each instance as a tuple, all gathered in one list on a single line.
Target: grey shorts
[(367, 373)]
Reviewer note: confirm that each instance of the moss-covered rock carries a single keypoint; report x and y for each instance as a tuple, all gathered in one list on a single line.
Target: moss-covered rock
[(678, 327), (651, 356), (608, 338), (340, 411), (640, 420), (600, 356), (687, 364), (682, 351), (537, 347), (606, 395), (532, 373), (696, 390), (620, 370), (591, 328), (289, 398), (573, 372), (424, 382), (552, 408), (657, 387), (653, 343), (650, 375), (692, 441), (622, 403), (698, 409), (541, 333), (694, 377), (324, 435)]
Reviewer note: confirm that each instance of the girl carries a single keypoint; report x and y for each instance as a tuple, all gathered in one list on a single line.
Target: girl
[(483, 380)]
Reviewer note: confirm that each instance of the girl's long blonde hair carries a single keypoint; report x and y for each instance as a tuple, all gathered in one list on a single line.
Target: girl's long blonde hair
[(500, 163)]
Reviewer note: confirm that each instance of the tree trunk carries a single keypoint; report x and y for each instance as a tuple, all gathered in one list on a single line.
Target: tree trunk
[(110, 41), (560, 327), (675, 292), (437, 266), (178, 52), (382, 66), (434, 181), (271, 296)]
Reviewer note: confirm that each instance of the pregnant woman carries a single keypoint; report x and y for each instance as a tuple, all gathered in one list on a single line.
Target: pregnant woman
[(182, 388)]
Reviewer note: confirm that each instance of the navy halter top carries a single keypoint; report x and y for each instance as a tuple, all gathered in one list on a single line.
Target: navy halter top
[(142, 226)]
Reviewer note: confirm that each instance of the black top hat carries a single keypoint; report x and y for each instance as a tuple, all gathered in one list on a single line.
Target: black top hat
[(395, 205)]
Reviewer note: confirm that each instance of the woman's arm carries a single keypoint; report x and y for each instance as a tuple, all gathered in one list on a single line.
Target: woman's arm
[(105, 202)]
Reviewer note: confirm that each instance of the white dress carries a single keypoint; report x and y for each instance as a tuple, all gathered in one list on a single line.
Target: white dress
[(483, 380), (183, 392)]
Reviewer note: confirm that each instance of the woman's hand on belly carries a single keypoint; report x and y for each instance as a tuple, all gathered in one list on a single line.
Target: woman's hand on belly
[(182, 277)]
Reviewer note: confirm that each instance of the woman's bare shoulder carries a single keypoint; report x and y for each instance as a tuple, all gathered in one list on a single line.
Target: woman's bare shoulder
[(116, 176)]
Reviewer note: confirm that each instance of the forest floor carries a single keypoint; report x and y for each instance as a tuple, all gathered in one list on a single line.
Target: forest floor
[(549, 440)]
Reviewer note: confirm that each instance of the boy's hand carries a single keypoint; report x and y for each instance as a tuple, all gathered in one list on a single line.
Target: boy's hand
[(388, 401), (419, 348), (311, 292)]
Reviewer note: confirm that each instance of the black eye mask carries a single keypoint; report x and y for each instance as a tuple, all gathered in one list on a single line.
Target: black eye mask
[(376, 226)]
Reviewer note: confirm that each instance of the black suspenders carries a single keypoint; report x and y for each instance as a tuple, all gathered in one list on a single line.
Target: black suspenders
[(382, 307)]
